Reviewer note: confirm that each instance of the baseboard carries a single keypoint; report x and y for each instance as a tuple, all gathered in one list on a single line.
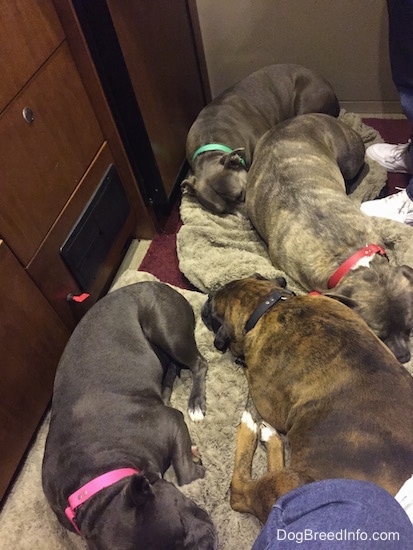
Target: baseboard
[(378, 108)]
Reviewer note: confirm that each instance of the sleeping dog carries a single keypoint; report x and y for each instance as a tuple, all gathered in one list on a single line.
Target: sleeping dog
[(111, 437), (317, 374), (221, 141), (296, 199)]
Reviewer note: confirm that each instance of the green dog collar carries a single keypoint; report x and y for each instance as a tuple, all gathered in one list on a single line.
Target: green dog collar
[(215, 147)]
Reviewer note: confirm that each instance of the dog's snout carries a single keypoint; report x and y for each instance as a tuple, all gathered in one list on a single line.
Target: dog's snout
[(208, 317), (404, 356), (400, 348)]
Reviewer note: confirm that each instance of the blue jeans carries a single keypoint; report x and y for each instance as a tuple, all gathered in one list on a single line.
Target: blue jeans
[(336, 514), (401, 58)]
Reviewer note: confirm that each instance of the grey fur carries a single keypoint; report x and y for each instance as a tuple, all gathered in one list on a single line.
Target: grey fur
[(108, 413), (237, 118)]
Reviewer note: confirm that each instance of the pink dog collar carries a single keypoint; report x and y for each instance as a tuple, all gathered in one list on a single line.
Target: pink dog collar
[(91, 488), (345, 267)]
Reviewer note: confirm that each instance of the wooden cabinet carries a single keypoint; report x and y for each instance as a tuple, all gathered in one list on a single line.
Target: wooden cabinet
[(43, 160), (32, 338), (151, 68), (59, 146), (158, 45), (49, 270), (31, 31)]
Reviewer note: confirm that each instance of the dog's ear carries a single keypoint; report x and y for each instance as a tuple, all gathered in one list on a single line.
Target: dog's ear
[(259, 277), (189, 185), (234, 160), (349, 302), (199, 530), (223, 337), (280, 281), (138, 490)]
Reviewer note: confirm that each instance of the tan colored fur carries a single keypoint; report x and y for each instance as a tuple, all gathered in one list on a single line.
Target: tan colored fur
[(319, 375)]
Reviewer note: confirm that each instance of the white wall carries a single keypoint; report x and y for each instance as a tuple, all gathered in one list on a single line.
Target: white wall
[(343, 40)]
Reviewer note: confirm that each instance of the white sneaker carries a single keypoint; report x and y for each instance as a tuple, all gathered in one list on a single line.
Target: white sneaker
[(396, 207), (395, 158)]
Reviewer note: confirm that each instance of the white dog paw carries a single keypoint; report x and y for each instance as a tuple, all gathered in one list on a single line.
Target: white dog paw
[(267, 431), (248, 420), (196, 415)]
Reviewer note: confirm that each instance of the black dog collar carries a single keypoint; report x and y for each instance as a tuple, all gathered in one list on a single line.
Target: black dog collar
[(264, 306)]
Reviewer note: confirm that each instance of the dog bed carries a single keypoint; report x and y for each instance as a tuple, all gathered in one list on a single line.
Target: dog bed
[(212, 250)]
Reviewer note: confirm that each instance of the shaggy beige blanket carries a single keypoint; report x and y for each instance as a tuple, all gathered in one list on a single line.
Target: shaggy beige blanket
[(212, 250)]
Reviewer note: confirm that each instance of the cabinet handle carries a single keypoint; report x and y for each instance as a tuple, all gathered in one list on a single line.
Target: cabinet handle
[(28, 115), (79, 298)]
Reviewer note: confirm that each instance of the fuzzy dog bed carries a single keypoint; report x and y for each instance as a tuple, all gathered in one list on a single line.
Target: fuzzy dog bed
[(213, 250)]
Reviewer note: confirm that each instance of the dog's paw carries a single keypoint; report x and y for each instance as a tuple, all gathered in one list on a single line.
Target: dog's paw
[(196, 456), (249, 421), (267, 431), (200, 471), (196, 414), (196, 406)]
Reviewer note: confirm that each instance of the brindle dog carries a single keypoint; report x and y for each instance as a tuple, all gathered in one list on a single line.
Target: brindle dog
[(320, 376), (296, 199)]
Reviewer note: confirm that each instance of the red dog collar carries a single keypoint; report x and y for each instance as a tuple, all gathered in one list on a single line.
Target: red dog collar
[(87, 491), (349, 264)]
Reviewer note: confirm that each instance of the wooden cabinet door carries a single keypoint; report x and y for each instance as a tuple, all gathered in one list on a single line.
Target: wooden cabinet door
[(32, 338), (157, 42), (29, 33), (47, 267), (42, 161)]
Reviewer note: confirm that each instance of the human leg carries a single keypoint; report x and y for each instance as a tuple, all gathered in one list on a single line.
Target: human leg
[(397, 158), (336, 513)]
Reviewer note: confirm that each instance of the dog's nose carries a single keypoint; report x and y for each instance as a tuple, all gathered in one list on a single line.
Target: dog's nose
[(404, 357), (401, 352)]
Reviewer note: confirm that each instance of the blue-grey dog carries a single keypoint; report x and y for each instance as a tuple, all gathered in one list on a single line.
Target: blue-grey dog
[(111, 435), (221, 141)]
